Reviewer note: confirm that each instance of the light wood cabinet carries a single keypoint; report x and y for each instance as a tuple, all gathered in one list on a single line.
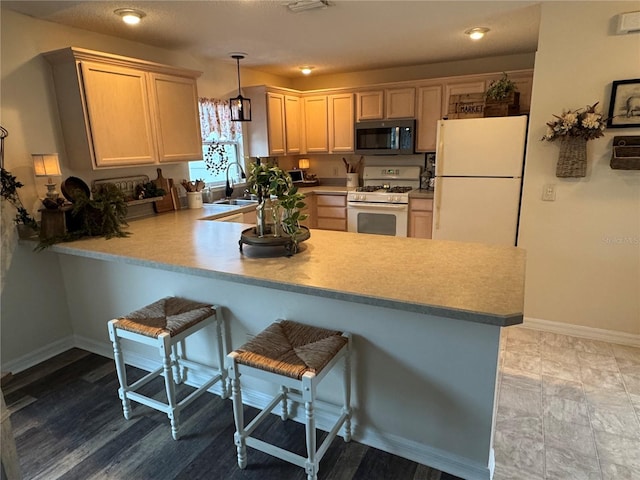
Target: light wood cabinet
[(381, 104), (420, 217), (461, 88), (369, 105), (293, 124), (177, 118), (429, 112), (400, 102), (341, 123), (276, 122), (118, 111), (329, 123), (316, 124), (331, 211)]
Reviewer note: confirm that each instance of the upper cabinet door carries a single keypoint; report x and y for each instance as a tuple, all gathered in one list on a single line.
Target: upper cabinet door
[(341, 122), (315, 115), (429, 112), (460, 88), (275, 123), (293, 124), (120, 125), (177, 118), (401, 103), (369, 105)]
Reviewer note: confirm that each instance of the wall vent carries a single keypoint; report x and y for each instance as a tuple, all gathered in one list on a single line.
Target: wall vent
[(628, 23)]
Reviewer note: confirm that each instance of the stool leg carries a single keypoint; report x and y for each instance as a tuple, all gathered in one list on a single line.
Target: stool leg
[(347, 392), (223, 371), (285, 408), (120, 369), (238, 414), (177, 352), (165, 352), (310, 429)]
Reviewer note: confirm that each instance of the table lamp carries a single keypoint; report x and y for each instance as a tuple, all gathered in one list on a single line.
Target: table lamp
[(303, 164), (47, 165)]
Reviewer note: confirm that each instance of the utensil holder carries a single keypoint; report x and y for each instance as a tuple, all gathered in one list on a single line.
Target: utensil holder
[(194, 199), (353, 180)]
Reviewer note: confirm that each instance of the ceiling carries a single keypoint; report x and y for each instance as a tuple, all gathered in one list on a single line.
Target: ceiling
[(348, 36)]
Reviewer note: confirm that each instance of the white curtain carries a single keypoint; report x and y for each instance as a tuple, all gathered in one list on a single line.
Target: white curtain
[(215, 121)]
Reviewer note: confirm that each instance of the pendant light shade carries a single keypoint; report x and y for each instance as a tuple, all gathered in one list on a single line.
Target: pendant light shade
[(240, 106)]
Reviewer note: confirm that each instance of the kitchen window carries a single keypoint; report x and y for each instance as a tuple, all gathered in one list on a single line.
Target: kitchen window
[(221, 144)]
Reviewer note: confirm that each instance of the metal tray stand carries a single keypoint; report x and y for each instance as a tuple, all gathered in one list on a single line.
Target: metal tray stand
[(250, 237)]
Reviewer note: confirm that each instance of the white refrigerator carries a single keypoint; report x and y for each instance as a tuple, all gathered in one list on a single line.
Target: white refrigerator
[(479, 165)]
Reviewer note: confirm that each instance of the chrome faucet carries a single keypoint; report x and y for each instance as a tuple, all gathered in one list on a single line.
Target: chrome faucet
[(228, 189)]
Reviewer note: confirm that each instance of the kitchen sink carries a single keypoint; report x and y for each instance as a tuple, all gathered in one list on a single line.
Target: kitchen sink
[(236, 201)]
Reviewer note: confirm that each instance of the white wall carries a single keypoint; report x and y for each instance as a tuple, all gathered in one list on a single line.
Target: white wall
[(583, 250)]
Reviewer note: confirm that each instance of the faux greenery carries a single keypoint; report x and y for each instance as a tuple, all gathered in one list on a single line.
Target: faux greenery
[(264, 181), (500, 89), (104, 215), (10, 186), (149, 190)]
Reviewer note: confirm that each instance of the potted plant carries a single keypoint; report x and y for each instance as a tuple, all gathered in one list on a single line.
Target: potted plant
[(502, 98), (282, 215), (26, 224), (499, 90)]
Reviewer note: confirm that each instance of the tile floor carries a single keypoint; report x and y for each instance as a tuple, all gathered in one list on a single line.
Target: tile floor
[(568, 408)]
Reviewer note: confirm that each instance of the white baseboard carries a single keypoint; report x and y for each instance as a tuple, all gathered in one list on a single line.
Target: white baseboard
[(40, 355), (611, 336)]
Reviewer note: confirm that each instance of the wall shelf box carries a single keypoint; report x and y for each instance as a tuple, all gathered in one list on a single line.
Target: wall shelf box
[(625, 154)]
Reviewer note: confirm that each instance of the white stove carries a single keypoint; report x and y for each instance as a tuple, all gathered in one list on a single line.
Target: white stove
[(380, 206), (386, 185)]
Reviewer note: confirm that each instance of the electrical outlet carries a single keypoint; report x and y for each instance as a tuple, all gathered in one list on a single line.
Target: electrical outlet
[(549, 192)]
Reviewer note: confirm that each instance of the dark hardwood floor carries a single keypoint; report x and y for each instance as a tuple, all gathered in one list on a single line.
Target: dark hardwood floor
[(67, 421)]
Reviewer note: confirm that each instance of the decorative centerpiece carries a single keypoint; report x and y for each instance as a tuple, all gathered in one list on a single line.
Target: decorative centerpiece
[(278, 214), (574, 128)]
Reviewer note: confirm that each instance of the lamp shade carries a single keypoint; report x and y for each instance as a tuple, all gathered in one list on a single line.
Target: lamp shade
[(303, 163), (46, 164)]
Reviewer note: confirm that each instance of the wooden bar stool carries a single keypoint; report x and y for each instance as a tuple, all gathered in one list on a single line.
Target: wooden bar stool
[(165, 324), (296, 357)]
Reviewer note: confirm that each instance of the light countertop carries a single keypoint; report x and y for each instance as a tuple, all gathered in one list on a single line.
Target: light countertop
[(466, 281)]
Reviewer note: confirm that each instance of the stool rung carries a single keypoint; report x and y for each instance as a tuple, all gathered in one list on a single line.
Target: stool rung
[(281, 453), (148, 401), (317, 404), (263, 414), (198, 367), (193, 395), (146, 379), (330, 436)]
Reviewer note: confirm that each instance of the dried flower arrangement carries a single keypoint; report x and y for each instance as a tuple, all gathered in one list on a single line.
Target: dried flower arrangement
[(585, 122)]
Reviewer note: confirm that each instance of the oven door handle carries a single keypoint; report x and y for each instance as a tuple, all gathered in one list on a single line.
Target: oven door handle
[(381, 206)]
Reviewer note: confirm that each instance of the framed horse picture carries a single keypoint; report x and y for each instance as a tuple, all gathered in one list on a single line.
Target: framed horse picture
[(624, 107)]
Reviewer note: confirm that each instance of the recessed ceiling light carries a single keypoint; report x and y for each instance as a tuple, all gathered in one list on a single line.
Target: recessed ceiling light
[(306, 70), (302, 5), (130, 16), (476, 33)]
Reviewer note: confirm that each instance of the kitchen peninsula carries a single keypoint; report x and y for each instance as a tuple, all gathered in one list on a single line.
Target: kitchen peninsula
[(425, 315)]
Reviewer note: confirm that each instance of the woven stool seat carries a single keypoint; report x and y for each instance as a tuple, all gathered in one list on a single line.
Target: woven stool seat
[(296, 357), (291, 349), (166, 324), (171, 315)]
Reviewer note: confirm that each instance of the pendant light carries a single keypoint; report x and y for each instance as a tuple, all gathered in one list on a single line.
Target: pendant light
[(240, 106)]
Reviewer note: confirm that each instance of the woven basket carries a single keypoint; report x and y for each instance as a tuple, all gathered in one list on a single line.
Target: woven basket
[(572, 160)]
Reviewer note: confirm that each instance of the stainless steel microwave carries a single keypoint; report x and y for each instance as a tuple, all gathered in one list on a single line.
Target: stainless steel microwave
[(386, 137)]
